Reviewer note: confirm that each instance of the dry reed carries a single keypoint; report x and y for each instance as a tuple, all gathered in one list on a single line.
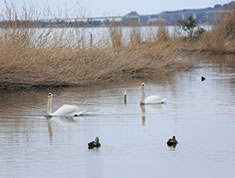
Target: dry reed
[(219, 40), (223, 31), (116, 36), (162, 33), (135, 35), (34, 58)]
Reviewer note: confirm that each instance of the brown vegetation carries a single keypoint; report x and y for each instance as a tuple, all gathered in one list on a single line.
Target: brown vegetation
[(221, 38), (223, 31), (162, 33), (116, 36), (24, 66), (32, 58)]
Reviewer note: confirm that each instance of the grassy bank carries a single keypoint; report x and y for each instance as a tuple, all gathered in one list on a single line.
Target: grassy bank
[(27, 68), (30, 59), (219, 40)]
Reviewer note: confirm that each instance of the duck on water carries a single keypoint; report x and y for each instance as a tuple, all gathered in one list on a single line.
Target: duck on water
[(172, 142), (94, 144)]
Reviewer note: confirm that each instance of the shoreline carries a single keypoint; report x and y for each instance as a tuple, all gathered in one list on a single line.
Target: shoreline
[(115, 77), (32, 59)]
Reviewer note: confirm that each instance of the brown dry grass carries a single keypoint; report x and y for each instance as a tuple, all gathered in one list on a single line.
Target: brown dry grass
[(116, 36), (135, 35), (33, 58), (49, 58), (162, 33), (25, 67), (223, 32), (220, 40)]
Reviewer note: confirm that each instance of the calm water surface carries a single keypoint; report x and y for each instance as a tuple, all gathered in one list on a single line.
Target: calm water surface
[(200, 114)]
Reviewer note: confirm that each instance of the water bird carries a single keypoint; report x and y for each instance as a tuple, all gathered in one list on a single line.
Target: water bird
[(203, 78), (153, 99), (172, 142), (94, 144), (64, 111)]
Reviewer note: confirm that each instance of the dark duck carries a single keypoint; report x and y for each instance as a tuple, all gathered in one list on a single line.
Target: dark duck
[(203, 78), (94, 144), (172, 142)]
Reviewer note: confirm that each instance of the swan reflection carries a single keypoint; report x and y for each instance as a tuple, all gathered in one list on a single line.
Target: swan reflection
[(64, 121), (143, 120), (143, 114), (49, 129), (149, 107)]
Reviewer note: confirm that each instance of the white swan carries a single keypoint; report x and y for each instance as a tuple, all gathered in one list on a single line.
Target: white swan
[(64, 111), (153, 99)]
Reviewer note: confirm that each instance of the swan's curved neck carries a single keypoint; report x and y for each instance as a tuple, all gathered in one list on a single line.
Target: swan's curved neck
[(142, 101), (49, 105)]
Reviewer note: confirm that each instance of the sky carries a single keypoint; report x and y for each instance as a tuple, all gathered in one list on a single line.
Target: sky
[(97, 8)]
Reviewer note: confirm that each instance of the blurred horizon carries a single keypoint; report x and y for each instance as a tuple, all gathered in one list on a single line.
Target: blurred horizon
[(92, 8)]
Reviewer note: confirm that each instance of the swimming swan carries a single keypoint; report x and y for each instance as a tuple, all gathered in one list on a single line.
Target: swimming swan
[(64, 111), (153, 99)]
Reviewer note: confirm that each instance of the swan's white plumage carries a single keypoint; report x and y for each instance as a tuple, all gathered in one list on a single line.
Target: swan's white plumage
[(153, 99), (64, 111)]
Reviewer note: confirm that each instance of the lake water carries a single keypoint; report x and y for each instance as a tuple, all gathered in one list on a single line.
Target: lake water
[(99, 36), (200, 114)]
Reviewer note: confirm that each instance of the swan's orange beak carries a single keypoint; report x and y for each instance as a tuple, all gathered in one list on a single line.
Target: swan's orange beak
[(142, 85)]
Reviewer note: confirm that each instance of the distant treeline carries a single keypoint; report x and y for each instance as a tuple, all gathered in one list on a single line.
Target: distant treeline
[(203, 16)]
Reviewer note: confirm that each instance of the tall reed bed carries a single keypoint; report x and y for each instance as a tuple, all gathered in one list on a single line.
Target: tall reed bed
[(162, 33), (135, 35), (223, 31), (47, 57), (221, 38), (116, 36)]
